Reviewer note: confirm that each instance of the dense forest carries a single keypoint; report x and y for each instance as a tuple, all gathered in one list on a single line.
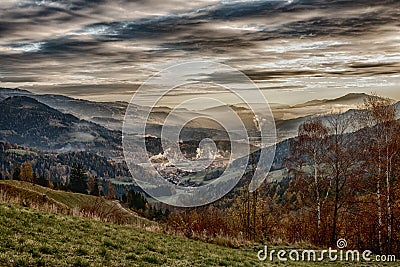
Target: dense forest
[(57, 166)]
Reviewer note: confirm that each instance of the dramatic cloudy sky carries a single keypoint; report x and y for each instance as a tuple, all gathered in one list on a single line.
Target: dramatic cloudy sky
[(294, 50)]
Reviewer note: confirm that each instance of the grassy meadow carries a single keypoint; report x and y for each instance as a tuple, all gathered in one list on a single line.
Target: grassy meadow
[(33, 237)]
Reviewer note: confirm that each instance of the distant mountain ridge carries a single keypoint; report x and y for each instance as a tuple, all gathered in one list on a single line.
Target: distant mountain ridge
[(348, 105), (110, 114), (30, 123), (351, 98)]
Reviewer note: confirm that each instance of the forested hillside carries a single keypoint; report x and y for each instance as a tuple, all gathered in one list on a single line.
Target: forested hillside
[(30, 123)]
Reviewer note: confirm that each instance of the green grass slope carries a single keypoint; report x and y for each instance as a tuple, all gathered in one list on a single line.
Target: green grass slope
[(43, 198), (36, 238), (31, 235), (71, 200)]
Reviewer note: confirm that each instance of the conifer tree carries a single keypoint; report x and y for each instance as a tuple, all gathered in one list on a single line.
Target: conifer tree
[(78, 180)]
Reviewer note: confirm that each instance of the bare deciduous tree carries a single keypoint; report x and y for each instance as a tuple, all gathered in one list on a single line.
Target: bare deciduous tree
[(379, 116), (310, 154), (339, 159)]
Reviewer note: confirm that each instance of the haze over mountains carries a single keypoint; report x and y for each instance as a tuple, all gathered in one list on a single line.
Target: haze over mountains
[(27, 122), (45, 122), (110, 114)]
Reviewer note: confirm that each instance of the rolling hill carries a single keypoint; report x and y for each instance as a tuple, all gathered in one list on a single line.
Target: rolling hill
[(44, 198), (30, 237), (35, 238), (27, 122), (108, 114)]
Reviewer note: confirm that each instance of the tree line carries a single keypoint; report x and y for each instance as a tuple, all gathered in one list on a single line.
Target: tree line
[(81, 181)]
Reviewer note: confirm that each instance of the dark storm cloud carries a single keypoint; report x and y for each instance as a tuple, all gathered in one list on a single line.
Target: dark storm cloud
[(195, 23), (283, 74), (356, 69), (18, 79), (59, 46), (192, 31), (7, 27), (36, 12)]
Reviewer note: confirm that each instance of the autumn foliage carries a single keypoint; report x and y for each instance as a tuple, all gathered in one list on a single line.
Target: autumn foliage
[(341, 181)]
